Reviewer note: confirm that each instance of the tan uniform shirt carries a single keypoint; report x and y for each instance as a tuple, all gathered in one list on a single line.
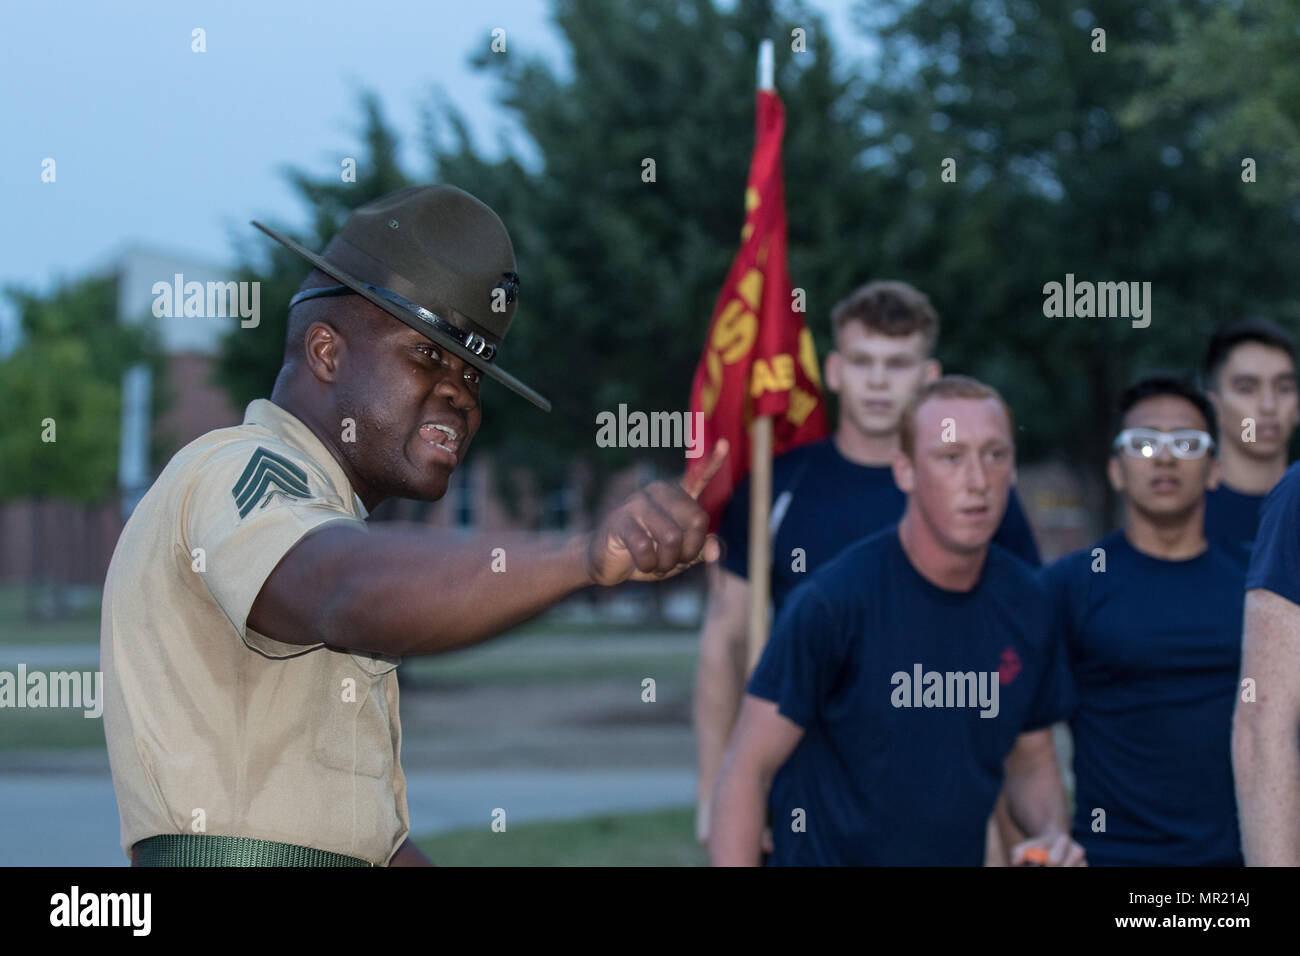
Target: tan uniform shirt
[(215, 728)]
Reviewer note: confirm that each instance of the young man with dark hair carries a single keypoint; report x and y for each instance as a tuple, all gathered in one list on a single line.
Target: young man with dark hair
[(825, 495), (908, 676), (1151, 616), (1250, 376)]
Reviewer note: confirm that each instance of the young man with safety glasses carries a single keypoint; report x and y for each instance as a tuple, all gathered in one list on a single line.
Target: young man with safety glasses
[(1151, 616)]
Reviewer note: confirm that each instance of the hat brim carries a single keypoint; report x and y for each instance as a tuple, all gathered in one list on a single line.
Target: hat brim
[(411, 319)]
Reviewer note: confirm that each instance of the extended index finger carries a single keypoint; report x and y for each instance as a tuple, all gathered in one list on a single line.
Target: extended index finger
[(695, 485)]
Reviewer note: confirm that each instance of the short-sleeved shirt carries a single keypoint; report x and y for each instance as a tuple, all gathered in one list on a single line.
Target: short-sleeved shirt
[(212, 727), (910, 697), (1155, 651), (1231, 519), (822, 503), (1275, 558)]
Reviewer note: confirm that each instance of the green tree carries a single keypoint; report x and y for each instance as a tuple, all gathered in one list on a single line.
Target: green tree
[(1232, 69), (620, 275), (249, 359), (61, 391), (1049, 182)]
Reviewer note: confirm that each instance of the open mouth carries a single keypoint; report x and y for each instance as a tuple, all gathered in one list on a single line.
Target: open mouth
[(1165, 484), (442, 437)]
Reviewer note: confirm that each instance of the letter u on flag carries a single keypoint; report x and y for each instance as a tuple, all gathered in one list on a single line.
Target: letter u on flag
[(759, 358)]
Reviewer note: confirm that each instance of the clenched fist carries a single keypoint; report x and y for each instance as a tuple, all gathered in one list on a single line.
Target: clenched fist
[(656, 533)]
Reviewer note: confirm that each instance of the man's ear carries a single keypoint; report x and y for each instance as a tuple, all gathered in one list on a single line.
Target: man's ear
[(833, 382), (1115, 473), (904, 472), (932, 371), (1214, 475)]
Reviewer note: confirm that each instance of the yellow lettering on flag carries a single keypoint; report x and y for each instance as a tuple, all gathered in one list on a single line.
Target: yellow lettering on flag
[(750, 288), (783, 367), (775, 377), (751, 203), (801, 406), (735, 331)]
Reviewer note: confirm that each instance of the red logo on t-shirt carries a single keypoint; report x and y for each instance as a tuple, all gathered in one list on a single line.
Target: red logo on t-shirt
[(1009, 666)]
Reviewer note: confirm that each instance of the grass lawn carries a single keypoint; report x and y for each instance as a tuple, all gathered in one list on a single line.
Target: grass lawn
[(49, 729), (80, 627), (528, 658), (655, 838)]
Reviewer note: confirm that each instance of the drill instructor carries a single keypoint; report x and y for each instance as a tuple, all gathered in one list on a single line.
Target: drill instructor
[(252, 622)]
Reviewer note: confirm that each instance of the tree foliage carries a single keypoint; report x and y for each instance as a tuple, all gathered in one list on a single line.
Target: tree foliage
[(1064, 164), (1233, 70), (1050, 182), (68, 371), (250, 359)]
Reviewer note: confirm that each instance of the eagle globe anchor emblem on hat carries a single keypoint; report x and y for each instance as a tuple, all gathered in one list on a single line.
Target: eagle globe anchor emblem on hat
[(435, 258)]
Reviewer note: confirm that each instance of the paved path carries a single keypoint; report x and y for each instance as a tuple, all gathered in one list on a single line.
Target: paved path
[(71, 819)]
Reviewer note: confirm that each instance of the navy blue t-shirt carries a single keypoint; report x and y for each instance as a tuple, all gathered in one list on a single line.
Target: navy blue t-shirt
[(880, 783), (1155, 652), (1275, 559), (824, 503), (1231, 518)]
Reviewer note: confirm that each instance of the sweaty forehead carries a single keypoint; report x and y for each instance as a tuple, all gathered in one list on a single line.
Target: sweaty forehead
[(1165, 413)]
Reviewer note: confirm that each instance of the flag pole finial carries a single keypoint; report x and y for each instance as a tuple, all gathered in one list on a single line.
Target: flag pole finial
[(765, 81)]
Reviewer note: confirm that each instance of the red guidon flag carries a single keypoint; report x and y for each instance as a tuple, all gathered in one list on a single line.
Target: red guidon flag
[(759, 358)]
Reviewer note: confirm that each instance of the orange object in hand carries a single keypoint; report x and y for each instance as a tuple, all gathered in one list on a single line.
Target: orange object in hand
[(1035, 856)]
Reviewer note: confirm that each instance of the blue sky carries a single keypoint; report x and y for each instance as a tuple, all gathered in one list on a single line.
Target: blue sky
[(158, 146)]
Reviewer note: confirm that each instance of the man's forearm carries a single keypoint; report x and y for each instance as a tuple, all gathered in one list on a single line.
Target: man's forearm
[(1266, 768), (736, 832), (411, 591), (719, 685), (1036, 799)]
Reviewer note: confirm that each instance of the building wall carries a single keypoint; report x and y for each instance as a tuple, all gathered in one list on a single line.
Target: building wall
[(198, 406), (79, 539)]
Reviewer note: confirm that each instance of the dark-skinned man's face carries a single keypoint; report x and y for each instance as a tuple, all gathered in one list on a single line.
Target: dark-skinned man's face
[(416, 406)]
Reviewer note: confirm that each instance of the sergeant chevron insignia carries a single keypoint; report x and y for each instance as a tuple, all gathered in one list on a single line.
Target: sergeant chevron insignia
[(268, 474)]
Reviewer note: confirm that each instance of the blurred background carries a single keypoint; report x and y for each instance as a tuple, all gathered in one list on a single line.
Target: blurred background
[(131, 155)]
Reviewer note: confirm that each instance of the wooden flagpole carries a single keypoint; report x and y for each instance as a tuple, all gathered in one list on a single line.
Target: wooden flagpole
[(760, 471)]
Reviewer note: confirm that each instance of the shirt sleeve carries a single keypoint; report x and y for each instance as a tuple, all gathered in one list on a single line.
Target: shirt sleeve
[(247, 506), (1056, 699), (803, 659), (1015, 535), (1275, 558), (734, 531)]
